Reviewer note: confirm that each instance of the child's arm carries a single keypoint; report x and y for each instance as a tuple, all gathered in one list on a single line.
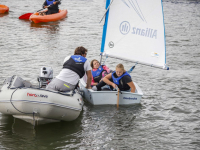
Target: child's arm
[(107, 78), (132, 86)]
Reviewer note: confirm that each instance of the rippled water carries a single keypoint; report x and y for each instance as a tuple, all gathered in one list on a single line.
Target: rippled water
[(169, 114)]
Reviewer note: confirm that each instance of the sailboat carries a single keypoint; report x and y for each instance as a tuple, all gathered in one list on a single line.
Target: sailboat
[(133, 31)]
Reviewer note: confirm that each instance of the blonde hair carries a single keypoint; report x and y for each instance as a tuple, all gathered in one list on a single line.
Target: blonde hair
[(120, 66)]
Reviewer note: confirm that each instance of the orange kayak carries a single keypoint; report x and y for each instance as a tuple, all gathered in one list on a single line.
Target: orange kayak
[(36, 18), (3, 9)]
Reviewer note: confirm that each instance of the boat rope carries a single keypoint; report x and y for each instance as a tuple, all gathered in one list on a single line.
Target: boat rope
[(16, 108), (132, 68), (106, 12), (11, 80), (100, 58), (34, 119), (105, 59)]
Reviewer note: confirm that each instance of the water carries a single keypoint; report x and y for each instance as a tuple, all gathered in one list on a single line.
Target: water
[(169, 114)]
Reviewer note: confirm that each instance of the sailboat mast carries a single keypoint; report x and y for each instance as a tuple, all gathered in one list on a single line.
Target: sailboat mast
[(105, 27), (164, 30)]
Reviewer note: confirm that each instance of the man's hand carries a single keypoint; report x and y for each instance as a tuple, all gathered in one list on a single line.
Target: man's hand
[(88, 87), (89, 79)]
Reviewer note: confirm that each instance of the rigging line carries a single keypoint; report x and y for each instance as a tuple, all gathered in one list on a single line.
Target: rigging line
[(101, 57), (141, 11), (134, 7), (105, 60), (106, 12), (125, 3), (14, 105), (132, 67)]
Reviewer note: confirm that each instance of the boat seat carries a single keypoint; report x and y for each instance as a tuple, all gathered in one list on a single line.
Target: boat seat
[(105, 89), (17, 82), (27, 83)]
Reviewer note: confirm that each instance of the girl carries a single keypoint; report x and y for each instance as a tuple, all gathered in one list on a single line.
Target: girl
[(98, 71), (119, 78)]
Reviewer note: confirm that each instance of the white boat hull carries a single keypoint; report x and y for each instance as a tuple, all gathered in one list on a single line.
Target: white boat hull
[(110, 97), (31, 104)]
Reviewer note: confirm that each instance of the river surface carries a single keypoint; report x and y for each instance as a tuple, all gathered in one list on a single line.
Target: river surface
[(169, 114)]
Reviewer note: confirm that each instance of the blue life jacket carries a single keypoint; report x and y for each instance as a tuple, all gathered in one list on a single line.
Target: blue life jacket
[(116, 80), (50, 2), (76, 64), (97, 75)]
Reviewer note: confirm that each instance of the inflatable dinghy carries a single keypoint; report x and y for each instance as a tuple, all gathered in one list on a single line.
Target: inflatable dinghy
[(21, 99)]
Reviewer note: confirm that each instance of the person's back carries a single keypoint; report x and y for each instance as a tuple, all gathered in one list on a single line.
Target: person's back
[(73, 71), (74, 68)]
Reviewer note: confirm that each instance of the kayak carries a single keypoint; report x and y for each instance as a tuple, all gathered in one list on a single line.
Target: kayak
[(4, 9), (36, 18)]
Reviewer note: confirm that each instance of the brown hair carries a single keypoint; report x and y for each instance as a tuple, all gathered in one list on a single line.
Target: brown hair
[(91, 64), (120, 66), (80, 50)]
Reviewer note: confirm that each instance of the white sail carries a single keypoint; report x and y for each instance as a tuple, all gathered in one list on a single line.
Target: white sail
[(134, 31)]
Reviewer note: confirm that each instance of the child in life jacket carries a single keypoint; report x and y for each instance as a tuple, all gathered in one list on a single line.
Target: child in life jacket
[(52, 6), (119, 78), (98, 71)]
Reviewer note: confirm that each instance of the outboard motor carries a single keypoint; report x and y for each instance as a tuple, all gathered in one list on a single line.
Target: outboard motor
[(46, 75)]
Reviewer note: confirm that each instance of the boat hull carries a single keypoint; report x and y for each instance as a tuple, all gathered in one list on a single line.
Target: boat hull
[(36, 18), (110, 97), (4, 9), (32, 104)]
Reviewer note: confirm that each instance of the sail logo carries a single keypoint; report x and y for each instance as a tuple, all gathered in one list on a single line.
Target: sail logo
[(124, 27), (154, 54), (37, 95), (148, 32), (111, 44)]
